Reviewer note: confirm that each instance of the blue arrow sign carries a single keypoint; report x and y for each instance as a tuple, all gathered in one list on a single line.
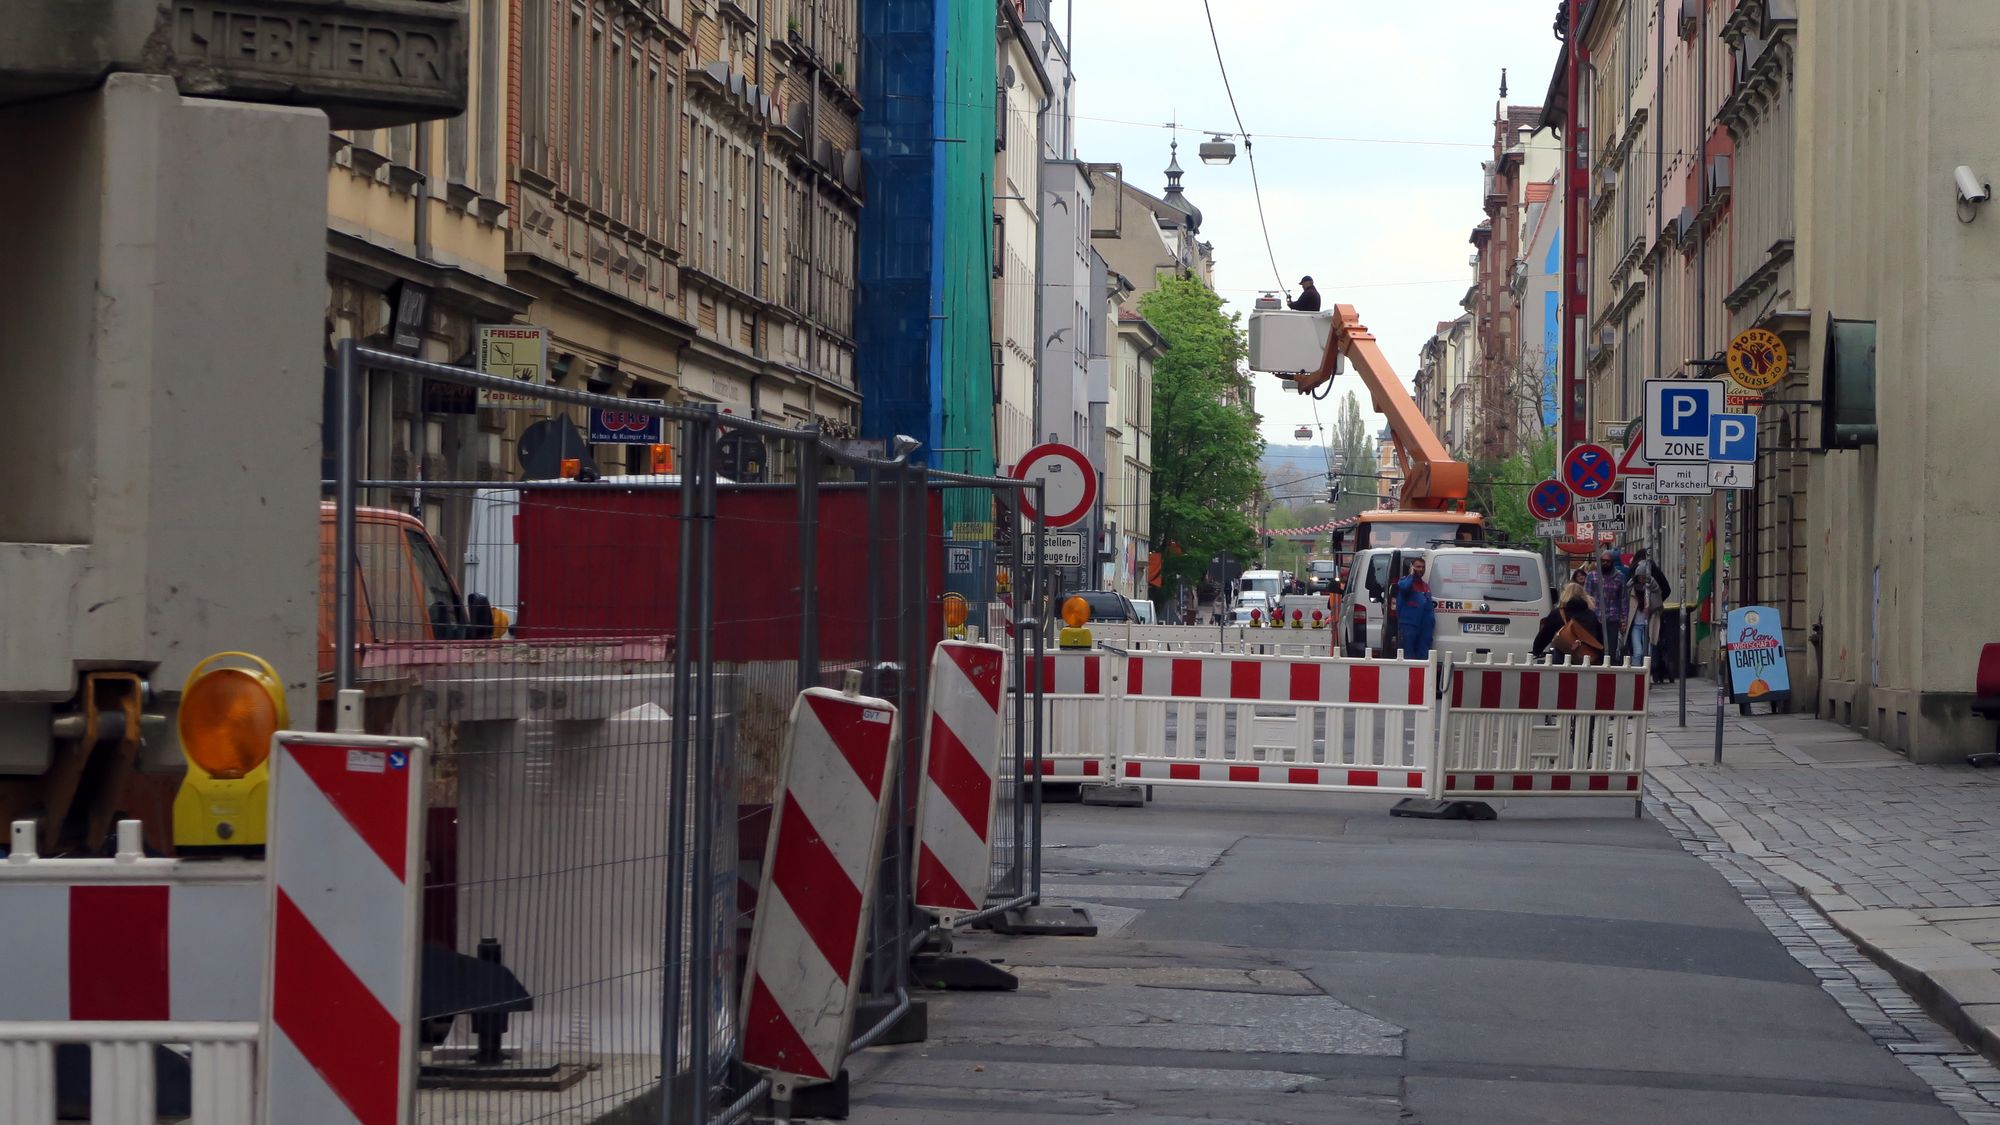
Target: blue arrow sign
[(1732, 439), (1549, 500), (1589, 471)]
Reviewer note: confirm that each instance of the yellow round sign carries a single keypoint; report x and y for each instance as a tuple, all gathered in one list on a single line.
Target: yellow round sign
[(1758, 359)]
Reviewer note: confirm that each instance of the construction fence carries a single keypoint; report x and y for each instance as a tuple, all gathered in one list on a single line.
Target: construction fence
[(604, 663)]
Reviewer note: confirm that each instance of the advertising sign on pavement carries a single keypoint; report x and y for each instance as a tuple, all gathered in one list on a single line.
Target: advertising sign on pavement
[(1756, 644)]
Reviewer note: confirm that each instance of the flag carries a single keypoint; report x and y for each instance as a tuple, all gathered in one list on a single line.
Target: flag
[(1705, 587)]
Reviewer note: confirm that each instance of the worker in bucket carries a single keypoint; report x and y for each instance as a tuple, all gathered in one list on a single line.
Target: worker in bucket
[(1416, 612)]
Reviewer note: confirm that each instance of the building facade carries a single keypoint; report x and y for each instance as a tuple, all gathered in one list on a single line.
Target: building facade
[(1509, 372), (1022, 89)]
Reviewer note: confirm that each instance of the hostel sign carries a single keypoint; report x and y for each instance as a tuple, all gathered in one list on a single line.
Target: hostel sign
[(1755, 646)]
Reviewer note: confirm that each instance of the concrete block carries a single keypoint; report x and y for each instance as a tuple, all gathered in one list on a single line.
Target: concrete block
[(1968, 986)]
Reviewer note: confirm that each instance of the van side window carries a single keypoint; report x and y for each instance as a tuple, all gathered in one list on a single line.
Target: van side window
[(441, 604), (378, 554)]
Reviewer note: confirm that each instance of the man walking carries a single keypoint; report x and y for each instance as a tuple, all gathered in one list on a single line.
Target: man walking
[(1608, 589), (1416, 612)]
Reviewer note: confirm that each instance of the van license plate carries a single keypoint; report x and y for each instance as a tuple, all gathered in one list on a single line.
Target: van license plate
[(1485, 628)]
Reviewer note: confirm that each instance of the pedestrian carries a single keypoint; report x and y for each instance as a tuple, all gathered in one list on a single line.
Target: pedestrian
[(1572, 628), (1308, 298), (1650, 590), (1607, 587), (1416, 612)]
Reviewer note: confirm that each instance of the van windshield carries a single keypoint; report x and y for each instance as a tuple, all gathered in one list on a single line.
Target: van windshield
[(1485, 578), (1270, 587), (1419, 533)]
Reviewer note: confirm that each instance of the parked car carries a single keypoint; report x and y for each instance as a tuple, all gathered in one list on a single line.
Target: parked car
[(1108, 605), (1146, 613)]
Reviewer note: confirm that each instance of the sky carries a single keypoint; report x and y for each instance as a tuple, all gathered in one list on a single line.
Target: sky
[(1380, 219)]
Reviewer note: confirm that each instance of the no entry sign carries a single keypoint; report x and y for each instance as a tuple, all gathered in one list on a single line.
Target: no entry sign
[(1069, 484), (1549, 500), (1589, 471)]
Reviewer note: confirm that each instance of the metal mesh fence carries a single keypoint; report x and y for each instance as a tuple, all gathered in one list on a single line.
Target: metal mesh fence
[(605, 668)]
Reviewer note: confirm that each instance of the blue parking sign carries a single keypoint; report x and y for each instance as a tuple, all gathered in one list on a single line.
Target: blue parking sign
[(1732, 439), (1677, 418)]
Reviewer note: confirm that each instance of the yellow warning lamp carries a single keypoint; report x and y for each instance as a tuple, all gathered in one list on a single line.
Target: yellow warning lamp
[(955, 613), (1075, 615), (229, 711)]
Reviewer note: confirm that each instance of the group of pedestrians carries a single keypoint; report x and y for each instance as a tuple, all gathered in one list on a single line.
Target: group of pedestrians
[(1606, 613)]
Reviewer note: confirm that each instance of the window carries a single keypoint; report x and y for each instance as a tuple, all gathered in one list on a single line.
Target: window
[(455, 157), (575, 146), (441, 605), (649, 201), (595, 121), (534, 85), (492, 65), (402, 143), (612, 196)]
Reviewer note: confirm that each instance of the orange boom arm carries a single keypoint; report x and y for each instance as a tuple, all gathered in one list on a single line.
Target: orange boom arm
[(1432, 479)]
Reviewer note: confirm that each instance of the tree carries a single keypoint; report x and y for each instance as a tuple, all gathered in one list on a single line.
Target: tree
[(1500, 488), (1359, 490), (1205, 442)]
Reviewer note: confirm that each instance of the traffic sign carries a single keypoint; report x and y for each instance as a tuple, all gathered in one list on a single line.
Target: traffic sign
[(1589, 471), (1677, 414), (1732, 439), (1632, 458), (1758, 359), (1595, 510), (1682, 480), (1551, 529), (1643, 490), (1069, 483), (1549, 500), (1731, 478)]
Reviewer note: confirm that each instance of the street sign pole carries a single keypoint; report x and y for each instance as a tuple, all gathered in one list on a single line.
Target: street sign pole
[(1687, 617), (1722, 615)]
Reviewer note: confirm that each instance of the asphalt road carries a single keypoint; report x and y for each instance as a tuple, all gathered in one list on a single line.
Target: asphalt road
[(1271, 957)]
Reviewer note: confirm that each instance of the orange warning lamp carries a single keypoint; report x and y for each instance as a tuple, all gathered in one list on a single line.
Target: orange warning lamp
[(228, 715), (572, 467), (663, 459), (955, 612), (1075, 615)]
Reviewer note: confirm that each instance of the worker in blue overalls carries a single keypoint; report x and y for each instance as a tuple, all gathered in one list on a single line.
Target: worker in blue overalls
[(1416, 612)]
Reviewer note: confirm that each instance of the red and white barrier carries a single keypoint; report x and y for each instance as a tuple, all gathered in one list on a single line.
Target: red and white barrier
[(1541, 729), (961, 763), (1077, 688), (826, 845), (346, 874), (129, 938), (1270, 722)]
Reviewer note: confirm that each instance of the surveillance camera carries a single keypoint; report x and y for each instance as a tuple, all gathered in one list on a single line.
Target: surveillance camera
[(1970, 188)]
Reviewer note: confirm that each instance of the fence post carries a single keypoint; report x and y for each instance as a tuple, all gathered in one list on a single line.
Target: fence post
[(678, 858), (702, 995), (808, 563), (345, 474)]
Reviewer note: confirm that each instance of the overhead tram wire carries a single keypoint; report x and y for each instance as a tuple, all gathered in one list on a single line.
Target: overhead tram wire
[(1249, 150)]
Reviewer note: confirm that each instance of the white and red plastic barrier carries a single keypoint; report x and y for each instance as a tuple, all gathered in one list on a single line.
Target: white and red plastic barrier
[(961, 768), (1541, 729), (825, 849), (1271, 722), (346, 866), (1077, 688)]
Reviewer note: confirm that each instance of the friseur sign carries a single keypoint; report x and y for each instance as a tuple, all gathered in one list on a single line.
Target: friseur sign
[(343, 57)]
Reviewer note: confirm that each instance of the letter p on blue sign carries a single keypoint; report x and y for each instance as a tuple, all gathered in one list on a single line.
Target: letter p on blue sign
[(1732, 439)]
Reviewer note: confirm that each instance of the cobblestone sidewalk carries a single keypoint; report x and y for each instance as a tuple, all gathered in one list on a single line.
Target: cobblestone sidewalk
[(1903, 860)]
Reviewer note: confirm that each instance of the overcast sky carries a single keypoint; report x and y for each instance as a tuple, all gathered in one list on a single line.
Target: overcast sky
[(1379, 225)]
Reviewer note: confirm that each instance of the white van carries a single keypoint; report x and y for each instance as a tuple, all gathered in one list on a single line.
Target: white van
[(1489, 599)]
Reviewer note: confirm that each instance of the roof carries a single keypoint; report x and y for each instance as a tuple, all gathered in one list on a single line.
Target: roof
[(1555, 107), (1541, 192), (1523, 117)]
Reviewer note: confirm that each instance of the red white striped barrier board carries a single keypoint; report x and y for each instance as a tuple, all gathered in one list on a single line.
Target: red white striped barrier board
[(1541, 729), (822, 862), (1077, 688), (131, 939), (1547, 688), (961, 761), (1279, 680), (1269, 722), (346, 873)]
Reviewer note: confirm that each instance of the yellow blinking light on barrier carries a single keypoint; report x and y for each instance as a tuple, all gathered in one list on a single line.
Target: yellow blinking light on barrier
[(663, 458), (1075, 615), (955, 612), (501, 623), (228, 715)]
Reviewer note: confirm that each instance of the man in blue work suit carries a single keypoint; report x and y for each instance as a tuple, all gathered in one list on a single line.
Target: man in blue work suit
[(1416, 612)]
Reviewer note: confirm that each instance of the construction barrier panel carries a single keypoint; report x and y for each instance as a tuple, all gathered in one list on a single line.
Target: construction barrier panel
[(1285, 641), (1077, 688), (961, 765), (124, 1070), (1268, 722), (1516, 728), (346, 864), (825, 850)]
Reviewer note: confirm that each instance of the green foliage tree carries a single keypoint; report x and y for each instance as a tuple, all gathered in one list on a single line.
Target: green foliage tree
[(1500, 488), (1205, 441), (1355, 446)]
